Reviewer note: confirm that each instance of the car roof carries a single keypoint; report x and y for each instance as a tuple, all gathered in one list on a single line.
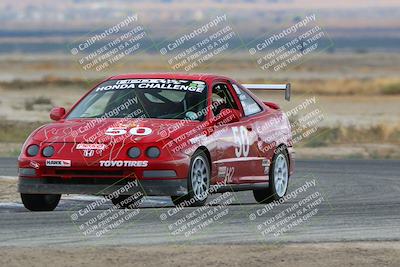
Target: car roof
[(185, 76)]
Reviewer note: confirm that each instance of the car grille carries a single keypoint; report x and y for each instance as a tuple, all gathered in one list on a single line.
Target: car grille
[(108, 173), (88, 175), (89, 181)]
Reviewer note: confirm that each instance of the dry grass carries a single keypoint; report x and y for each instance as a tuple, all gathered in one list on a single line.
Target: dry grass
[(323, 73), (377, 134), (16, 131), (380, 141), (378, 86), (42, 101), (46, 82), (391, 89)]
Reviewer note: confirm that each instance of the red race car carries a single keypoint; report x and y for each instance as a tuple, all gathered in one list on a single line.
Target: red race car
[(183, 136)]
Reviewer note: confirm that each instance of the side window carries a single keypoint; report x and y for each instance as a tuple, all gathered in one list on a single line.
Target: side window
[(250, 106), (222, 98)]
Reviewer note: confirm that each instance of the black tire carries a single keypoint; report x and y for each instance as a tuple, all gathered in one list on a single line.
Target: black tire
[(270, 194), (126, 201), (177, 200), (192, 199), (40, 202)]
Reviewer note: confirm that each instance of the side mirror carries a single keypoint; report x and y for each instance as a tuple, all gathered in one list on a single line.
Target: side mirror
[(226, 116), (57, 113)]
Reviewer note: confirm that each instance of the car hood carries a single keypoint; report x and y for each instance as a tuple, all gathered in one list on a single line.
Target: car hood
[(98, 131)]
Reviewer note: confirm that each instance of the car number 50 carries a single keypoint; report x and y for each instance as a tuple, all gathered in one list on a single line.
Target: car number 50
[(133, 131), (242, 141)]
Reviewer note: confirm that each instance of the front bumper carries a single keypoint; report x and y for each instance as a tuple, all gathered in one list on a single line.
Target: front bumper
[(160, 177), (170, 187)]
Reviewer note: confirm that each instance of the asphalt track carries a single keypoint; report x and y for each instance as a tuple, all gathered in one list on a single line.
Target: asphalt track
[(352, 200)]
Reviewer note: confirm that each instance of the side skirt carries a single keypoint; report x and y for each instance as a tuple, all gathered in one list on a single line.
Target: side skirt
[(239, 187)]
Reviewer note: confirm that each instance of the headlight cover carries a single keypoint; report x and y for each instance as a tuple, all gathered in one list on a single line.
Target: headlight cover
[(134, 152), (48, 151), (153, 152), (32, 150)]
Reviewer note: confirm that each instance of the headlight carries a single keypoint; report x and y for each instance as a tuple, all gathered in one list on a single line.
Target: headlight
[(153, 152), (134, 152), (32, 150), (48, 151)]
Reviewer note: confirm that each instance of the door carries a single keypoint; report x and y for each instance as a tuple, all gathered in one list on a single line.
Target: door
[(237, 158)]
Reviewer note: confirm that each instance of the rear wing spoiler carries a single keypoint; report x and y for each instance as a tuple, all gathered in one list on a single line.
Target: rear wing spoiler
[(285, 87)]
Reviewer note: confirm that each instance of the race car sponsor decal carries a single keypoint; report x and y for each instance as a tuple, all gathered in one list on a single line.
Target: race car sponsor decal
[(58, 163), (88, 153), (228, 179), (226, 173), (183, 85), (123, 163), (221, 171), (34, 164), (91, 146), (131, 124), (266, 163)]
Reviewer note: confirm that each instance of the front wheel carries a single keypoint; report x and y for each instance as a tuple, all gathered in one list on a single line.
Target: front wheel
[(278, 180), (40, 202), (198, 182)]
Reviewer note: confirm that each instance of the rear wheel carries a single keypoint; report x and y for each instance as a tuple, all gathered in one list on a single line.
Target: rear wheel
[(40, 202), (278, 180), (198, 182), (126, 201)]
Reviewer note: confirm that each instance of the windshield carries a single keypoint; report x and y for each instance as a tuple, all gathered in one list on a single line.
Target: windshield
[(144, 98)]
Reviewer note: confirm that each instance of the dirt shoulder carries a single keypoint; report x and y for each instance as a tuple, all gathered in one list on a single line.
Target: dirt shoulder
[(323, 254), (8, 190)]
